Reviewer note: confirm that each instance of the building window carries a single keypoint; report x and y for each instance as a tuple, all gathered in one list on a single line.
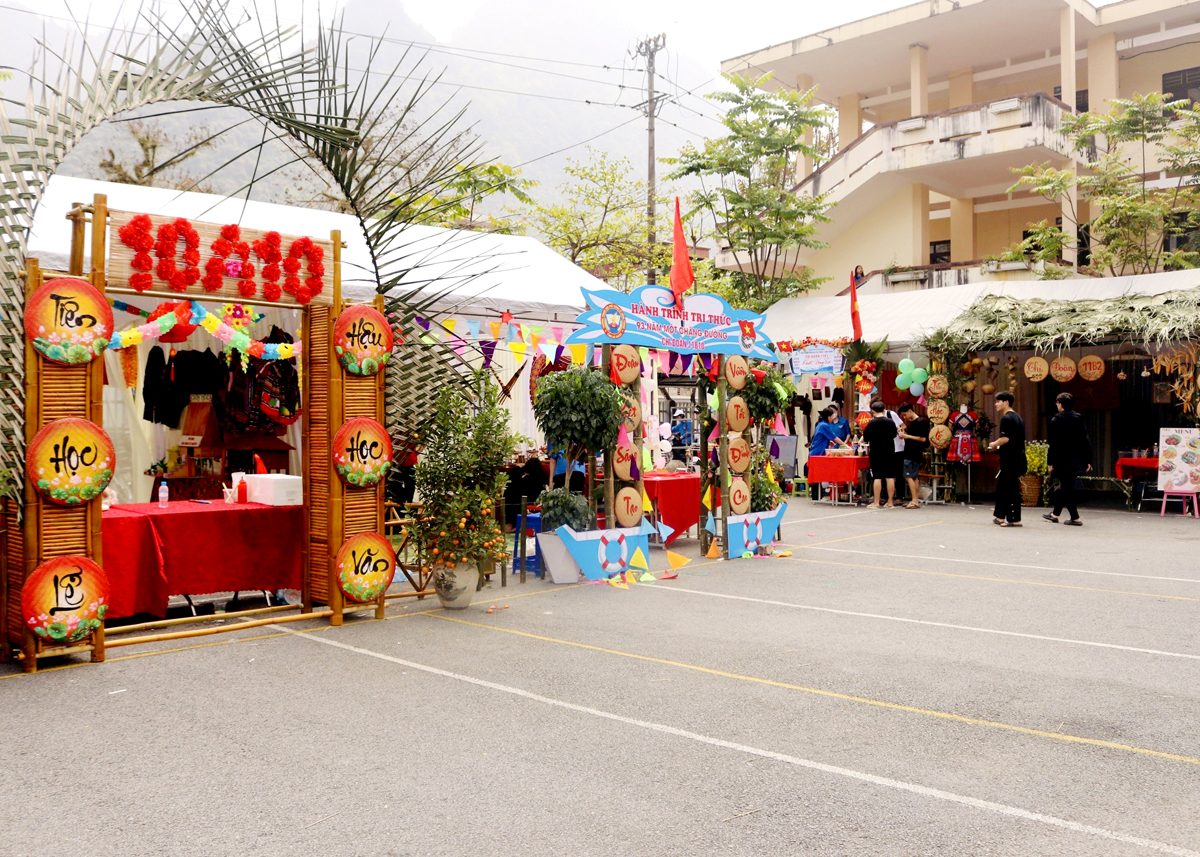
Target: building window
[(1081, 97), (939, 252), (1182, 84)]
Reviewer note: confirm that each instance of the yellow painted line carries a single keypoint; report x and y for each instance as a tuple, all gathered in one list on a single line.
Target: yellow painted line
[(993, 579), (877, 703)]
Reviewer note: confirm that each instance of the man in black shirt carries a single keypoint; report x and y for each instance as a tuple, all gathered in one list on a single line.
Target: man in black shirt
[(1013, 466), (1069, 457), (915, 435), (880, 434)]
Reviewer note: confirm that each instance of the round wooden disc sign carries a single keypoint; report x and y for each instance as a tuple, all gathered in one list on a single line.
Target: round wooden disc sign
[(938, 411), (1037, 369), (737, 414), (631, 409), (739, 455), (65, 599), (68, 321), (629, 507), (70, 461), (937, 386), (739, 496), (1062, 368), (622, 463), (365, 566), (626, 361), (362, 452), (736, 371), (362, 339), (940, 436), (1091, 367)]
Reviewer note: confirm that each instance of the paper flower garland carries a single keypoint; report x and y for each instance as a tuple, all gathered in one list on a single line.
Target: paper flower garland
[(234, 339)]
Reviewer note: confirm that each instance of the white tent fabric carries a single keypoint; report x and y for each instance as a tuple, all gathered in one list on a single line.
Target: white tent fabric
[(484, 274), (905, 317)]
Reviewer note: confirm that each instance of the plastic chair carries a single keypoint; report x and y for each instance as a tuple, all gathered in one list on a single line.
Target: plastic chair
[(1183, 497), (528, 526)]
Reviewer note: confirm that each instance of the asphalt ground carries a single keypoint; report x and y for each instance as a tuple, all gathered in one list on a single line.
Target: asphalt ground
[(907, 682)]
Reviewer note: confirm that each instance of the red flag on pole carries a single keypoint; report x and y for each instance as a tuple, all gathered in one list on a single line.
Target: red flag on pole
[(682, 276), (855, 319)]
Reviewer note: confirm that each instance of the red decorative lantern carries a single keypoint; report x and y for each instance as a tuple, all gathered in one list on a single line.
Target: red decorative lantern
[(182, 329)]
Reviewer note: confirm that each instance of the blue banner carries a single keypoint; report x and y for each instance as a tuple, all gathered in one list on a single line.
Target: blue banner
[(649, 317)]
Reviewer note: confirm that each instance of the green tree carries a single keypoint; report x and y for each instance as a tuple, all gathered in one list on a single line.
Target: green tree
[(458, 204), (600, 224), (747, 183), (1139, 224), (153, 170)]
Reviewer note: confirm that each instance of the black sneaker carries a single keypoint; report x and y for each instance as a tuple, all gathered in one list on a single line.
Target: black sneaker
[(1074, 522)]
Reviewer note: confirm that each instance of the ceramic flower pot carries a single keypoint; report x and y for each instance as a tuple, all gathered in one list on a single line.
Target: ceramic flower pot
[(456, 586)]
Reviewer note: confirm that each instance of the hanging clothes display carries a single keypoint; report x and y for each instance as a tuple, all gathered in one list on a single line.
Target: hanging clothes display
[(152, 384), (963, 446)]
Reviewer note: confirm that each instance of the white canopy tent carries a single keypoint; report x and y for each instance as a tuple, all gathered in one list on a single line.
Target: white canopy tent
[(478, 275), (905, 317)]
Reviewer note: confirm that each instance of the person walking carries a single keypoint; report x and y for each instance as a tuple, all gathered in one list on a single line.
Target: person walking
[(1013, 465), (915, 435), (880, 435), (898, 458), (1069, 457)]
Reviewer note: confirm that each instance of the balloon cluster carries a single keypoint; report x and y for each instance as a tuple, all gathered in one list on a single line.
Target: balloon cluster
[(911, 378)]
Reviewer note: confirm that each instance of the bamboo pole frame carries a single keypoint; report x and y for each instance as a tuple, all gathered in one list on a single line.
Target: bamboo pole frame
[(723, 455)]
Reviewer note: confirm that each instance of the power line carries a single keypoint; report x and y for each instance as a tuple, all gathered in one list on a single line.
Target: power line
[(576, 145)]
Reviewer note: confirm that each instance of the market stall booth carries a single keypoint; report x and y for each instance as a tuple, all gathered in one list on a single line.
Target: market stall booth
[(319, 382)]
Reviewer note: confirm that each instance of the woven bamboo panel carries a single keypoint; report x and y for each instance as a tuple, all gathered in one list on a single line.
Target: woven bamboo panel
[(120, 257), (362, 512), (319, 572), (14, 571), (63, 392), (62, 530), (317, 440), (361, 397)]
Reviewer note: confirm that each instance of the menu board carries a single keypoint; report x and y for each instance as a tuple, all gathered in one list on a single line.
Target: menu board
[(1179, 459)]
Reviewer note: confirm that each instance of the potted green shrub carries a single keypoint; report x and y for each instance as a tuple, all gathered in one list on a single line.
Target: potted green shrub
[(461, 481), (560, 506), (579, 412)]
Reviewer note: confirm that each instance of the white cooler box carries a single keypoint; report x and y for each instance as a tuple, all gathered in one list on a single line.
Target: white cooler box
[(275, 489)]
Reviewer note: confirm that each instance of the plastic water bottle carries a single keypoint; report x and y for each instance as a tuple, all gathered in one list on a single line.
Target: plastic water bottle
[(163, 493)]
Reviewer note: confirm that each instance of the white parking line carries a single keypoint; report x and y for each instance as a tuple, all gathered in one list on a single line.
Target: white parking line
[(891, 555), (885, 782), (793, 606)]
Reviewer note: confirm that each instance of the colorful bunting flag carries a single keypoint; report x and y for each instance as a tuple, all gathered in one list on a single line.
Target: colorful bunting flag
[(450, 324), (579, 354), (623, 437), (713, 551), (647, 504), (495, 326), (664, 530), (506, 317), (489, 349), (472, 329), (677, 560), (780, 427), (558, 333), (647, 577), (517, 348), (638, 560), (706, 500), (711, 523)]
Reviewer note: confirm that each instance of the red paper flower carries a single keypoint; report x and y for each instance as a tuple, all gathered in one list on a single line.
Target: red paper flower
[(215, 265), (291, 265), (303, 295), (316, 269), (247, 271), (141, 282), (144, 243), (314, 285), (270, 273), (178, 281), (231, 232), (316, 253), (191, 257), (191, 275), (222, 247), (166, 267), (291, 284), (271, 291), (256, 349), (212, 282), (242, 249), (247, 289), (142, 262), (274, 239)]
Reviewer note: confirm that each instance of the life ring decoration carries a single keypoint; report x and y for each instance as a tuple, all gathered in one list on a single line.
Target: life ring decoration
[(752, 525), (362, 339), (613, 566)]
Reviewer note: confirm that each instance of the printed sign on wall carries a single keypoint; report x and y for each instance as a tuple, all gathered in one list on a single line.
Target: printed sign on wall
[(65, 599), (362, 339), (365, 567), (68, 321), (1179, 459), (70, 461), (362, 452)]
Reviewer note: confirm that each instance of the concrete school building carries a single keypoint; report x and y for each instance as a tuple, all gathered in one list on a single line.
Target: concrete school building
[(937, 102)]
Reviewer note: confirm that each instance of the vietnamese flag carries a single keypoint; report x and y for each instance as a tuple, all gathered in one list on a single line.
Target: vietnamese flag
[(682, 276), (855, 319)]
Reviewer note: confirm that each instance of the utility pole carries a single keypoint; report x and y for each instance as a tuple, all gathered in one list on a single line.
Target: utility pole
[(647, 48)]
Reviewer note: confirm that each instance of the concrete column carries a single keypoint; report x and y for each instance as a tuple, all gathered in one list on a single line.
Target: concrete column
[(1103, 80), (962, 230), (1066, 56), (849, 119), (920, 224), (918, 79), (804, 165), (962, 88)]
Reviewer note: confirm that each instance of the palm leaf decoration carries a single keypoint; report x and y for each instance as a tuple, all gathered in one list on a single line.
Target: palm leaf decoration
[(308, 97)]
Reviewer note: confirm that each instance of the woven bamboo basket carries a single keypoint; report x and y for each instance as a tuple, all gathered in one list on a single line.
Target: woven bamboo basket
[(1031, 490)]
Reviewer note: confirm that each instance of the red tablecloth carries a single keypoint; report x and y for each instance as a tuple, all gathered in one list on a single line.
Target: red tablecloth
[(839, 469), (192, 548), (676, 498), (1125, 464)]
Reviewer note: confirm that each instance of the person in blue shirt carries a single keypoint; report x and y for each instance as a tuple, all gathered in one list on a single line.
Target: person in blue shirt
[(841, 425), (823, 438), (578, 469)]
